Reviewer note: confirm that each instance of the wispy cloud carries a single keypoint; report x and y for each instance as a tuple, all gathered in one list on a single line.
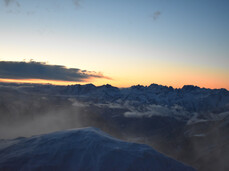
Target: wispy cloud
[(39, 70), (156, 15), (8, 2), (151, 110), (77, 3)]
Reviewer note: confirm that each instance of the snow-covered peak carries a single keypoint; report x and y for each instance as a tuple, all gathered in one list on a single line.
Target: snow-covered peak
[(82, 149)]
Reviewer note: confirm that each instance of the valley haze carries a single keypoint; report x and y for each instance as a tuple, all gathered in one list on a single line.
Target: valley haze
[(189, 124)]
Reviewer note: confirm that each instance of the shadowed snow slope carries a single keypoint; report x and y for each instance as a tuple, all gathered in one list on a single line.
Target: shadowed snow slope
[(82, 149)]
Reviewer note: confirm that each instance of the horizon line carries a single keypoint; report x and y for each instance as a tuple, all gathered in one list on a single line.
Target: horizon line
[(71, 83)]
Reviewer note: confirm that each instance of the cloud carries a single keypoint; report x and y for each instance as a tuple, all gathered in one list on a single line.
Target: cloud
[(156, 15), (77, 3), (39, 70), (151, 110), (8, 2)]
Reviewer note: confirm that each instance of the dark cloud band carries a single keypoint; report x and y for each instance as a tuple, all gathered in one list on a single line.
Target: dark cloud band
[(38, 70)]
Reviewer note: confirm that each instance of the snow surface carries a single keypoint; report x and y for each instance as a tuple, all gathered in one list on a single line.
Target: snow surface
[(190, 98), (82, 149), (187, 103)]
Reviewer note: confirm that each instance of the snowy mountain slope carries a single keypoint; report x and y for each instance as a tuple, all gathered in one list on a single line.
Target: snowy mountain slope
[(190, 124), (188, 103), (192, 98), (82, 149)]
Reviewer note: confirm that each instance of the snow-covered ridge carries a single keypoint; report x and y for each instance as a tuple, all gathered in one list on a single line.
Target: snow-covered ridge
[(190, 103), (82, 149), (178, 122), (190, 97)]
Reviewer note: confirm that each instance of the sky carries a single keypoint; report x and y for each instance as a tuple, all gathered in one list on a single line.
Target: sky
[(121, 42)]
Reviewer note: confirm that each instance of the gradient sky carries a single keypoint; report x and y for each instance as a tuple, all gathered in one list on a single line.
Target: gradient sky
[(169, 42)]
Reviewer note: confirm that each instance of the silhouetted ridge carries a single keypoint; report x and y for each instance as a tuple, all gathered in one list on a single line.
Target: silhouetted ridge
[(190, 87)]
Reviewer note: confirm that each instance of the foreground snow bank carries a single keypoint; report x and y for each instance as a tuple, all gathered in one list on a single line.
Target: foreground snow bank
[(82, 149)]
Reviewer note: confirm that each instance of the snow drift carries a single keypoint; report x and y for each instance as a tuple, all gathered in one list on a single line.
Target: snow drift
[(82, 149)]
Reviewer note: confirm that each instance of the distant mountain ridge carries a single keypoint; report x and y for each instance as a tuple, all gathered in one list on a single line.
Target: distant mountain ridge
[(173, 121), (190, 97)]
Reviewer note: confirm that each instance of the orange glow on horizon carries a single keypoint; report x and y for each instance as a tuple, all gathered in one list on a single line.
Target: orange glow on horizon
[(122, 84), (38, 81)]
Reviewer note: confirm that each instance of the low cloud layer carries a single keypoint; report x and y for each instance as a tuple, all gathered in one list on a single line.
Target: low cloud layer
[(151, 110), (38, 70)]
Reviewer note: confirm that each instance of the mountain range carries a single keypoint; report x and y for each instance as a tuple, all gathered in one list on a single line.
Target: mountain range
[(189, 124)]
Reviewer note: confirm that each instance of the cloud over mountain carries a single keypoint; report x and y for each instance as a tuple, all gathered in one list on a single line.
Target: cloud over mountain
[(39, 70)]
